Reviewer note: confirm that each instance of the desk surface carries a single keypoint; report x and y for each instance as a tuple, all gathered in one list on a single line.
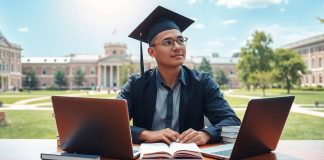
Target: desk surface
[(30, 149)]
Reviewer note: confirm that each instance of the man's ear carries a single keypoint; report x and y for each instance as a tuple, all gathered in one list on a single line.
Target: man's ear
[(151, 52)]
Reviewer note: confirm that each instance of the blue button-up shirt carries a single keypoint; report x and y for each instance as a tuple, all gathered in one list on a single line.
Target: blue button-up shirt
[(159, 118)]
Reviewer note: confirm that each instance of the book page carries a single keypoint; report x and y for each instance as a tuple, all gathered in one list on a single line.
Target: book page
[(174, 147), (147, 148)]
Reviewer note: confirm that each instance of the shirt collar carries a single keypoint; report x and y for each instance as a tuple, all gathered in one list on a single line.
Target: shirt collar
[(159, 80)]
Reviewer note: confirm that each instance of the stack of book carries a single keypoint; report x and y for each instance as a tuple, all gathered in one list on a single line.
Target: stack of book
[(229, 133)]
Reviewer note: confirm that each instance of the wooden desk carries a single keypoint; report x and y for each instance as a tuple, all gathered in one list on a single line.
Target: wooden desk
[(30, 149)]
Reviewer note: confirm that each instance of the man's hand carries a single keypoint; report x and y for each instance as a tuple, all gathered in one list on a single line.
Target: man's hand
[(191, 135), (167, 135)]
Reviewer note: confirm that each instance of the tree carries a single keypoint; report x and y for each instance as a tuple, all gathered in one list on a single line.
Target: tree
[(206, 67), (30, 81), (263, 79), (215, 55), (236, 55), (78, 78), (60, 79), (126, 71), (221, 78), (289, 67), (256, 56), (320, 19)]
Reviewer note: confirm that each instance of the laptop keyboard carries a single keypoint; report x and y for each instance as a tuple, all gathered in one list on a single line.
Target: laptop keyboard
[(226, 153)]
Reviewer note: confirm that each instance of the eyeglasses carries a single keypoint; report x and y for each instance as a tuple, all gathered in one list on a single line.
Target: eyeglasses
[(168, 42)]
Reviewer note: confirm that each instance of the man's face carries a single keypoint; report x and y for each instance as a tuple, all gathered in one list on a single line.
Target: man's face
[(168, 48)]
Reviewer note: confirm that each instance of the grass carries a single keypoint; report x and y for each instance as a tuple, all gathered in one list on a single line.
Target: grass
[(236, 102), (41, 124), (29, 124), (300, 126), (301, 97)]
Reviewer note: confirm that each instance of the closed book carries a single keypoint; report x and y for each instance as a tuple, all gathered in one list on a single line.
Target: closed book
[(229, 134), (173, 151), (230, 129), (68, 156), (229, 140)]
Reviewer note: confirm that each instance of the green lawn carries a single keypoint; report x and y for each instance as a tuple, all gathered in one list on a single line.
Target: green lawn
[(41, 124), (237, 102), (302, 97), (300, 126), (29, 124)]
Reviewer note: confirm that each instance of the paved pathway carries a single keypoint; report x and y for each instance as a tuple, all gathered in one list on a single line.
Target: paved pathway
[(295, 107), (22, 105)]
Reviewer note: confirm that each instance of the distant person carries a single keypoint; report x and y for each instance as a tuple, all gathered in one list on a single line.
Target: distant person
[(168, 103)]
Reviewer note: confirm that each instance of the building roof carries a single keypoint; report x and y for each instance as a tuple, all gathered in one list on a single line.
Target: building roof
[(83, 58), (46, 60), (13, 45), (304, 42), (217, 60)]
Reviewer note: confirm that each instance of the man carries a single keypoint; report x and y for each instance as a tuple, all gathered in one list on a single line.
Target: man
[(168, 103)]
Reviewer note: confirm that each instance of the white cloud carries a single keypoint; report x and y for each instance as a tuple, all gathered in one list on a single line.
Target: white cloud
[(199, 26), (282, 9), (192, 1), (229, 22), (23, 29), (282, 35), (248, 3)]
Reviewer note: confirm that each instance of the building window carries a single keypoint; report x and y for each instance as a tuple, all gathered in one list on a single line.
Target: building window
[(306, 78), (320, 62), (44, 71), (92, 71), (114, 52), (313, 77), (44, 84), (320, 78), (313, 62), (231, 72)]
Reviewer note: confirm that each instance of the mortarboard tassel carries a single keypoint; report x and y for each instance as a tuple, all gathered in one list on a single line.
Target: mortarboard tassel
[(141, 58)]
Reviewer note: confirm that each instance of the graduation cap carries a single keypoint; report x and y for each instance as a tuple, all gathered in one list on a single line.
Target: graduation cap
[(159, 20)]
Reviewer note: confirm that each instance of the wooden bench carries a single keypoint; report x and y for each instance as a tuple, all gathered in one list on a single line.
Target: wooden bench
[(318, 103)]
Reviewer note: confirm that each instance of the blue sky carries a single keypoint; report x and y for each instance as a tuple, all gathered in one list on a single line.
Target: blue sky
[(62, 27)]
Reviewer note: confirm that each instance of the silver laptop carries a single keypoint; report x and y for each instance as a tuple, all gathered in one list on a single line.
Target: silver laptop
[(94, 126), (260, 131)]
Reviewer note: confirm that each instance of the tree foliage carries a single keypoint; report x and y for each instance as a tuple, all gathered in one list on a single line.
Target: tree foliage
[(206, 67), (30, 81), (126, 71), (289, 67), (79, 78), (256, 56), (60, 79), (221, 78), (263, 78)]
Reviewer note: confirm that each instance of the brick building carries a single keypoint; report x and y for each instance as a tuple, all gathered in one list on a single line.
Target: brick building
[(312, 51), (10, 64)]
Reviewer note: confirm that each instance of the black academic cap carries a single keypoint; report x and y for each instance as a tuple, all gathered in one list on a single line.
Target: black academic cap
[(159, 20)]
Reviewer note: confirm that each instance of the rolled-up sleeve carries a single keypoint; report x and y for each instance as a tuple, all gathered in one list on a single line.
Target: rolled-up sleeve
[(217, 110)]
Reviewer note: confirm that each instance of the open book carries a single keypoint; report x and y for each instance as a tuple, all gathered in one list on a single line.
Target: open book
[(174, 150)]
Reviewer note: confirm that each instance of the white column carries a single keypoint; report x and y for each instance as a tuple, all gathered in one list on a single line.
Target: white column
[(117, 76), (105, 76), (111, 75), (98, 76)]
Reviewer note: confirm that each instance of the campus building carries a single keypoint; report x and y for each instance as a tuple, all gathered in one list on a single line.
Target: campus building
[(10, 65), (103, 71), (312, 51)]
